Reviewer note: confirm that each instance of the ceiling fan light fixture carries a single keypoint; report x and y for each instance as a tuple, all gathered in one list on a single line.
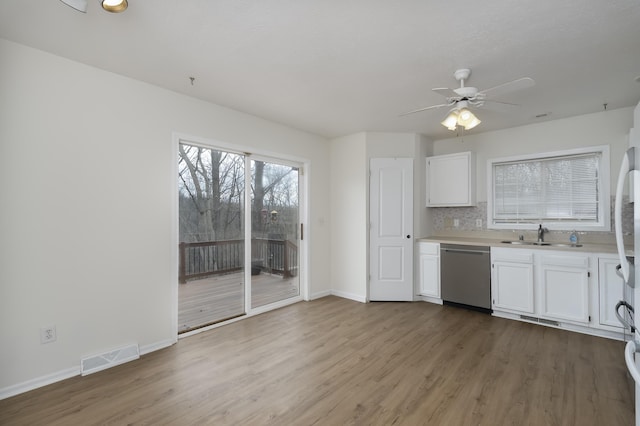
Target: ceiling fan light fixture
[(115, 6), (472, 123), (451, 121), (467, 119), (460, 117)]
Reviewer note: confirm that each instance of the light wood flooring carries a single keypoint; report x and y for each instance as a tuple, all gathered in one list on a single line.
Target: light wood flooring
[(220, 297), (334, 361)]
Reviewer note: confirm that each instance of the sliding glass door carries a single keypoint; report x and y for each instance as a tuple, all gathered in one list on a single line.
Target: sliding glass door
[(275, 235), (212, 236), (234, 254)]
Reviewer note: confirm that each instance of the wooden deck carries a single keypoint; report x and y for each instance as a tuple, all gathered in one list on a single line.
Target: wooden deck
[(217, 298)]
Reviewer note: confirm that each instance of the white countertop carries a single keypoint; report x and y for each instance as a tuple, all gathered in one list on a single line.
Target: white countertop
[(490, 242)]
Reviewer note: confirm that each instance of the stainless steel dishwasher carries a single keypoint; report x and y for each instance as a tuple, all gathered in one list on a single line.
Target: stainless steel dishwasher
[(465, 276)]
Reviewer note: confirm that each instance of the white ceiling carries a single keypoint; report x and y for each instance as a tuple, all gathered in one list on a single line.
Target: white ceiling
[(337, 67)]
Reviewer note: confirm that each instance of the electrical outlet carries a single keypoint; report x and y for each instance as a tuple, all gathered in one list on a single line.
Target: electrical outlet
[(456, 223), (48, 334), (478, 223)]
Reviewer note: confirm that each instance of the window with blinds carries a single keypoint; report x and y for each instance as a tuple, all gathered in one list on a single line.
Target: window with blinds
[(564, 190)]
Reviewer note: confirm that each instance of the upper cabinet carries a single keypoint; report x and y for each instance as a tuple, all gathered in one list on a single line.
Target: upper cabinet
[(451, 180)]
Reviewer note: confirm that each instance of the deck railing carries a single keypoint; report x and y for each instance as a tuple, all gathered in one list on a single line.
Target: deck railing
[(203, 259)]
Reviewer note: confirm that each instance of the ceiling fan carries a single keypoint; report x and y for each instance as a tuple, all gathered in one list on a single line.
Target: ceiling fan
[(465, 97)]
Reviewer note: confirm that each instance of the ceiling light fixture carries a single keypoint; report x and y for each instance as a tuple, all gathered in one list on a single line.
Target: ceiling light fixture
[(451, 121), (114, 6), (460, 116)]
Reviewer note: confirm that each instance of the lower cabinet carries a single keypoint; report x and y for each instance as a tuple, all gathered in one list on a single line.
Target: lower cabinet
[(564, 287), (512, 281), (610, 292), (576, 291), (573, 290), (429, 264)]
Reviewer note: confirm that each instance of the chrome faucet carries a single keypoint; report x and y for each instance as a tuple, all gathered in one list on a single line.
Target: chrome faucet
[(541, 232)]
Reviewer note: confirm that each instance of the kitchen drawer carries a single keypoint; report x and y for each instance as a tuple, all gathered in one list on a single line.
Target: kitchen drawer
[(567, 261), (514, 255)]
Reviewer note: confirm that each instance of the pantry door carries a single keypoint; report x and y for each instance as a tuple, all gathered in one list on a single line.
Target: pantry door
[(391, 229)]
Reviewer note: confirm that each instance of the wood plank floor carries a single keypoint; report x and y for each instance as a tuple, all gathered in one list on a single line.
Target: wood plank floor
[(220, 297), (334, 361)]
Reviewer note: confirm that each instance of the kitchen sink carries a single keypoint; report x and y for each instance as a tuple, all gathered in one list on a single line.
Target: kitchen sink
[(540, 243)]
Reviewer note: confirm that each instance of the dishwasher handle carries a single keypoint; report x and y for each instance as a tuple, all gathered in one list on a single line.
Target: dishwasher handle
[(465, 251)]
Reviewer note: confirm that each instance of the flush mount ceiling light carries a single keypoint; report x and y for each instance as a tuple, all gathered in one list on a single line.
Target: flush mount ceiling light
[(460, 116), (113, 6)]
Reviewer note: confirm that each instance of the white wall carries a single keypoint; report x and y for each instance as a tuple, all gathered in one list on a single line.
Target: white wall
[(86, 160), (424, 148), (349, 180), (602, 128)]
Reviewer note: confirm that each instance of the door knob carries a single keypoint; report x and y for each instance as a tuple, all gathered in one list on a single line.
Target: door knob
[(408, 236)]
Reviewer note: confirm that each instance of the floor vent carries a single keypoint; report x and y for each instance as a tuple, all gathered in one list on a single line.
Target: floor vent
[(106, 360), (548, 322), (540, 320), (528, 318)]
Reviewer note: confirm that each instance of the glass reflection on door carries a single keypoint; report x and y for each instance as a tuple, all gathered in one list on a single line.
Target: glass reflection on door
[(211, 233), (275, 235)]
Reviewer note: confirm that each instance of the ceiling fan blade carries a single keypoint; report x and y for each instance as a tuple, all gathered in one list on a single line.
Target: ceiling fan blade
[(424, 109), (79, 5), (500, 102), (499, 106), (446, 92), (512, 86)]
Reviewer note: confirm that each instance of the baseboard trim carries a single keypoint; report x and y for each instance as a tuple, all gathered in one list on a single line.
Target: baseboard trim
[(320, 295), (157, 346), (68, 373), (430, 299), (39, 382), (351, 296)]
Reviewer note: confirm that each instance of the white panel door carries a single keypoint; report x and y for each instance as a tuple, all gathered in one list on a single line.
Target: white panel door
[(391, 231)]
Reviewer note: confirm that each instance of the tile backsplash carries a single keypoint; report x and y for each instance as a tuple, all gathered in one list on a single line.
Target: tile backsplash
[(444, 221)]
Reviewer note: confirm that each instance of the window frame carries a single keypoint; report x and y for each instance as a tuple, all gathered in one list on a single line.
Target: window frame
[(604, 211)]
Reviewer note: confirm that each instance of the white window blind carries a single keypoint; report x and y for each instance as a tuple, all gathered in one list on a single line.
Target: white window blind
[(554, 189)]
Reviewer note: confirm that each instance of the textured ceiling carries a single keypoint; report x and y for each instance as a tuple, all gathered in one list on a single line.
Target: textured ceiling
[(339, 67)]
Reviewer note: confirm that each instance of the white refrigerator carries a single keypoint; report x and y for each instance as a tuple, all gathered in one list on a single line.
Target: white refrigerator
[(630, 168)]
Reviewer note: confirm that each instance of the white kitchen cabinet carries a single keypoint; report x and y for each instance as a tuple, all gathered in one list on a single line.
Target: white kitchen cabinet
[(558, 288), (564, 287), (451, 180), (429, 261), (512, 284), (610, 291)]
